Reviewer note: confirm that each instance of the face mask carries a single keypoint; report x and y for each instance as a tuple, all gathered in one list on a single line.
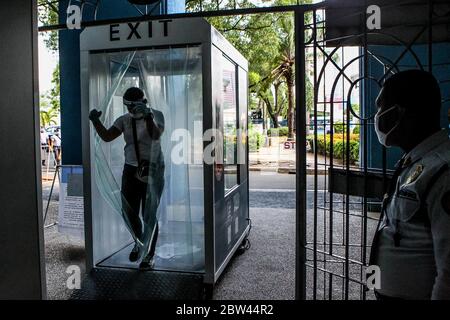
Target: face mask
[(382, 137)]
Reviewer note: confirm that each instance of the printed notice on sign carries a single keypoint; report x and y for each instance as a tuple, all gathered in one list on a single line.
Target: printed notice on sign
[(71, 208)]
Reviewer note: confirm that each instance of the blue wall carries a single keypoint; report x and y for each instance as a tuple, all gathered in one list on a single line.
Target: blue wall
[(69, 58), (441, 70)]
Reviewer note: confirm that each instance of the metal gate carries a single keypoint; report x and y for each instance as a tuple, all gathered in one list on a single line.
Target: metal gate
[(346, 64), (340, 65)]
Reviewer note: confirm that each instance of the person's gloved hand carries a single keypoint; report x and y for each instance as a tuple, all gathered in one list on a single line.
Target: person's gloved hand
[(94, 115), (143, 109)]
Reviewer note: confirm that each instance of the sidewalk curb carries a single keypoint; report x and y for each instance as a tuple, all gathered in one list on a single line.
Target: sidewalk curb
[(285, 170)]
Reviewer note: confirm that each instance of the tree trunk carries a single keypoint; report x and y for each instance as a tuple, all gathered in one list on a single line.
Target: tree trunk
[(277, 106), (273, 115), (308, 123), (290, 111), (263, 114), (274, 118)]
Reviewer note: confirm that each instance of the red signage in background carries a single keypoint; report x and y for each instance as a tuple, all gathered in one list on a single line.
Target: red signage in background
[(289, 145)]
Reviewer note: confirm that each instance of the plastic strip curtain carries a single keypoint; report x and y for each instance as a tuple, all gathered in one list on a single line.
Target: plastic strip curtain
[(108, 186), (172, 83), (171, 79)]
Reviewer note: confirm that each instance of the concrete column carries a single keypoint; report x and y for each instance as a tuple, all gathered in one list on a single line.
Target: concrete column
[(22, 268)]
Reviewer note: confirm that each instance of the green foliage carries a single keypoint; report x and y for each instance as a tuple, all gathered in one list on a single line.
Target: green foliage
[(278, 132), (51, 99), (54, 94), (339, 146), (49, 102), (48, 15), (267, 41), (355, 108), (47, 114), (309, 94), (255, 139), (340, 127)]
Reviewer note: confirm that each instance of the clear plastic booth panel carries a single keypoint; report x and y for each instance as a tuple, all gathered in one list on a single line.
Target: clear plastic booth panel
[(171, 79)]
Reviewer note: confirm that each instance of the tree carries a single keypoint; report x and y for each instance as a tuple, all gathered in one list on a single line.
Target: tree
[(285, 67), (50, 101), (274, 100), (48, 15), (309, 101), (54, 93), (48, 117), (267, 41)]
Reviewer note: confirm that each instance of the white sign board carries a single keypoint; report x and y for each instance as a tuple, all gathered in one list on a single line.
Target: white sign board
[(71, 207)]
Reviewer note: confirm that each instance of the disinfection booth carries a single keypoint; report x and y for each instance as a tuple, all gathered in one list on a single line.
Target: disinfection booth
[(198, 81)]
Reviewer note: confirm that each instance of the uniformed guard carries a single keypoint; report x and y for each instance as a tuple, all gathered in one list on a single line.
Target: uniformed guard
[(412, 242)]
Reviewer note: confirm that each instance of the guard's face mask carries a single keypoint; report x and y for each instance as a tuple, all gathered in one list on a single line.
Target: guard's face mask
[(385, 123)]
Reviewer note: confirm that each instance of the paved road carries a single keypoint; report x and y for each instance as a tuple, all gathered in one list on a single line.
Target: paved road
[(280, 181), (272, 210), (259, 181), (266, 190), (277, 191), (271, 180)]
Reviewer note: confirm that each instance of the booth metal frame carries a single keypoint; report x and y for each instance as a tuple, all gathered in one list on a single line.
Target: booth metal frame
[(177, 36)]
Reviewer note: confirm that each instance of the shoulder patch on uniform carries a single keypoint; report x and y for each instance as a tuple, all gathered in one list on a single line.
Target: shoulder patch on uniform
[(415, 174), (445, 202)]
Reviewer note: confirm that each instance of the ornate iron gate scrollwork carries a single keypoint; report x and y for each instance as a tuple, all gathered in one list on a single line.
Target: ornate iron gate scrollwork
[(348, 168)]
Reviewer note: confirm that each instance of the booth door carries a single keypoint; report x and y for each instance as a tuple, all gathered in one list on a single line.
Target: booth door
[(231, 174), (172, 81)]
